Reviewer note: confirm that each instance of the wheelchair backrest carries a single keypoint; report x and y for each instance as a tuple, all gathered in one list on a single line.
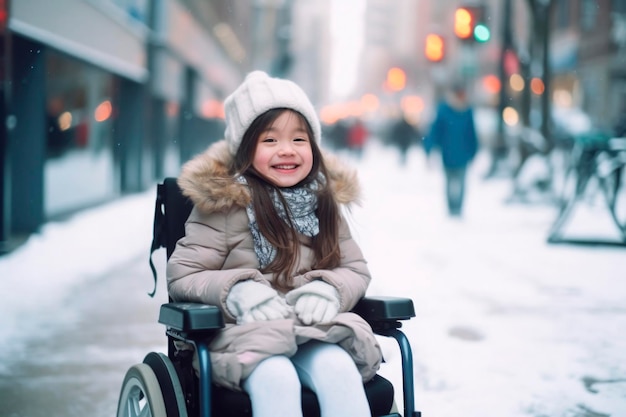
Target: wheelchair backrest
[(170, 213)]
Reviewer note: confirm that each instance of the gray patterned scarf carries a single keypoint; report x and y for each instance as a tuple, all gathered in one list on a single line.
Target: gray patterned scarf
[(301, 206)]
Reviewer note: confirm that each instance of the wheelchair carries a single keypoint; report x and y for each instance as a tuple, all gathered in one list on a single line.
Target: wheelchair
[(167, 385)]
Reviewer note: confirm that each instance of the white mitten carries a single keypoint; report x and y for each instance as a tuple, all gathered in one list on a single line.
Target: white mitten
[(315, 302), (250, 301)]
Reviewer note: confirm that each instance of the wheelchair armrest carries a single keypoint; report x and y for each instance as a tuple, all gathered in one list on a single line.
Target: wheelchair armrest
[(191, 317), (384, 309)]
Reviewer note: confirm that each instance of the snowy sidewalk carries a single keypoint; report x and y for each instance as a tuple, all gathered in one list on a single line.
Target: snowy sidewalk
[(506, 324)]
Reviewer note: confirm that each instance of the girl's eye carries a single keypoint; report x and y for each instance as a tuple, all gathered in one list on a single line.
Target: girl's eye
[(300, 139), (268, 140)]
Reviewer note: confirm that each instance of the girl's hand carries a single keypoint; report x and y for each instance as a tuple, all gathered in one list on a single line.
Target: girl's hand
[(315, 302), (250, 301)]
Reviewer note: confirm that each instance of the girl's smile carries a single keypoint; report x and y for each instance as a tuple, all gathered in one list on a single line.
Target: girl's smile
[(283, 152)]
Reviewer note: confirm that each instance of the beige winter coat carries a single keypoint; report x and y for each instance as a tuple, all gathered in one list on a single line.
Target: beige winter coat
[(217, 252)]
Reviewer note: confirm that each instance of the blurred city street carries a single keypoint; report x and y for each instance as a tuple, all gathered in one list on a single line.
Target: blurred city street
[(507, 324), (520, 301)]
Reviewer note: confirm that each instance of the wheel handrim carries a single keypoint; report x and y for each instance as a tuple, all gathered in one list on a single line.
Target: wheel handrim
[(141, 394), (136, 404)]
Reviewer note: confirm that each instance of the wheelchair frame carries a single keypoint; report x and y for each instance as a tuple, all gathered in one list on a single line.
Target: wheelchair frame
[(195, 323)]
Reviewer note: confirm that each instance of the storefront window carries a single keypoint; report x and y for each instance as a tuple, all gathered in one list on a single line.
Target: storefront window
[(171, 162), (79, 169)]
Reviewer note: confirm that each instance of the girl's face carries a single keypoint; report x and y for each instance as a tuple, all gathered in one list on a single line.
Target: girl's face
[(283, 152)]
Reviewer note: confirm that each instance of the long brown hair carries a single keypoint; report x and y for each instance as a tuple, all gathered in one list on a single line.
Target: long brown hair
[(280, 233)]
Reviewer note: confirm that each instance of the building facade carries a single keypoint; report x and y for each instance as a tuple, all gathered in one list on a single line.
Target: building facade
[(589, 58), (104, 97)]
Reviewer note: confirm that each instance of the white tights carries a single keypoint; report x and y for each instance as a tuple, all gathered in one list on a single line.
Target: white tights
[(328, 370)]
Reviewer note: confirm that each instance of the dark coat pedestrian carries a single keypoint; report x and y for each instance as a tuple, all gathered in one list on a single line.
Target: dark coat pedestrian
[(403, 134)]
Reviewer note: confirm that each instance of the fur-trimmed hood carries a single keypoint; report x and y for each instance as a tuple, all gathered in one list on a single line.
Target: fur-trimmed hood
[(207, 183)]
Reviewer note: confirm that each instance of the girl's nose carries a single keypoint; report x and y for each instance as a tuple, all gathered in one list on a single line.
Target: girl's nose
[(286, 149)]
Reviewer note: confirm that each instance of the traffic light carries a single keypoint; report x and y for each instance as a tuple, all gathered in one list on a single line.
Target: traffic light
[(481, 32), (463, 23), (470, 24), (434, 47)]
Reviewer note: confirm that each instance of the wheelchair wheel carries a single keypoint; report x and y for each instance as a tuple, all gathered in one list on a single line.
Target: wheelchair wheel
[(165, 372), (141, 394)]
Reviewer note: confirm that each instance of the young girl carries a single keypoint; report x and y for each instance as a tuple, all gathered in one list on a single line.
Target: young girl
[(267, 242)]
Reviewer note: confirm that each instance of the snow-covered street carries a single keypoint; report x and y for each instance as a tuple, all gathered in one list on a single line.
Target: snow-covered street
[(507, 325)]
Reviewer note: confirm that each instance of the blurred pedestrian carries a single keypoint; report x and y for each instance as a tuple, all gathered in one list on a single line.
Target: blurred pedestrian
[(337, 135), (403, 134), (454, 134), (357, 136)]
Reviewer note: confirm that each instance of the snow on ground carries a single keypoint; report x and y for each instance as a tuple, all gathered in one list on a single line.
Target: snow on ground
[(39, 277), (507, 325)]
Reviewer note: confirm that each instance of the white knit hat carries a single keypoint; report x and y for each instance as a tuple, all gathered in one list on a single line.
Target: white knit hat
[(258, 94)]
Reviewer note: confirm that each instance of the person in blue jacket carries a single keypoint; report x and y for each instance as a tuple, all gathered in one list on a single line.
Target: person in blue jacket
[(454, 134)]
